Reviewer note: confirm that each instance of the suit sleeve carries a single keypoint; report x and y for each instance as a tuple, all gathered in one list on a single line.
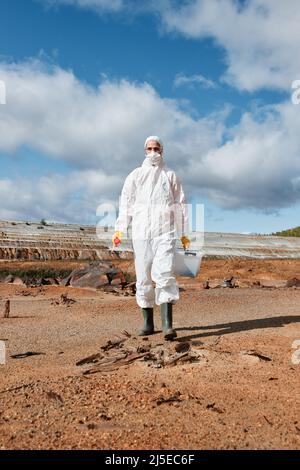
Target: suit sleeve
[(181, 208), (126, 203)]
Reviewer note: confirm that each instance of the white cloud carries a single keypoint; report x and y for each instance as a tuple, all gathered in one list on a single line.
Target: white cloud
[(71, 198), (259, 166), (2, 92), (105, 127), (261, 38), (101, 131), (193, 80)]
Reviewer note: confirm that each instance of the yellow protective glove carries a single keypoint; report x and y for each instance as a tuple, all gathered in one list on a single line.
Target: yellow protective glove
[(117, 238), (185, 242)]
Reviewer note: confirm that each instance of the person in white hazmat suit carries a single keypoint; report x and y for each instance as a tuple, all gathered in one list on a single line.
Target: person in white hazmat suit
[(153, 200)]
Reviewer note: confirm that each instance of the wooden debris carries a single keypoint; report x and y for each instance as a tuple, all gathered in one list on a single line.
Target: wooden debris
[(26, 354), (184, 357), (173, 398), (156, 356), (13, 389), (131, 287), (64, 300), (110, 364), (54, 396), (25, 293), (252, 352), (6, 309), (182, 346), (268, 421), (143, 348), (213, 407), (89, 359), (125, 333), (115, 343)]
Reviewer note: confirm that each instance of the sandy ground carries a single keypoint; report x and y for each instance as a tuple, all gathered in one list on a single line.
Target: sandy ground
[(242, 391)]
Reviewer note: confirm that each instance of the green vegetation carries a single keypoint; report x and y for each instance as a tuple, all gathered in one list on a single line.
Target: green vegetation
[(291, 232), (31, 274), (129, 277)]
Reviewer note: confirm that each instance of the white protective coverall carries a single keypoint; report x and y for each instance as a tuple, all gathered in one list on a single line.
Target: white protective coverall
[(153, 200)]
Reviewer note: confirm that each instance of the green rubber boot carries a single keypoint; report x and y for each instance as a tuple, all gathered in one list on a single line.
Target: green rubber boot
[(166, 321), (148, 328)]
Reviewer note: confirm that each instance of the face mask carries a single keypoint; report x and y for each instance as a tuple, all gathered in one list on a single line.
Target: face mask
[(154, 157)]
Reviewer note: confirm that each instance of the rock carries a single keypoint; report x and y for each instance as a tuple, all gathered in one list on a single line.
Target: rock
[(129, 289), (65, 281), (95, 276), (18, 282), (111, 289), (90, 280), (228, 283), (116, 282), (117, 279), (242, 284), (49, 281), (91, 271), (272, 283), (214, 284), (294, 282)]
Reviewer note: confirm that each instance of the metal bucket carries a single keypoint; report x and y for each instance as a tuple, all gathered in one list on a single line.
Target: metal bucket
[(187, 263)]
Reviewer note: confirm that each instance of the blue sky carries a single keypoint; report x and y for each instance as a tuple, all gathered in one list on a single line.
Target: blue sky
[(85, 85)]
